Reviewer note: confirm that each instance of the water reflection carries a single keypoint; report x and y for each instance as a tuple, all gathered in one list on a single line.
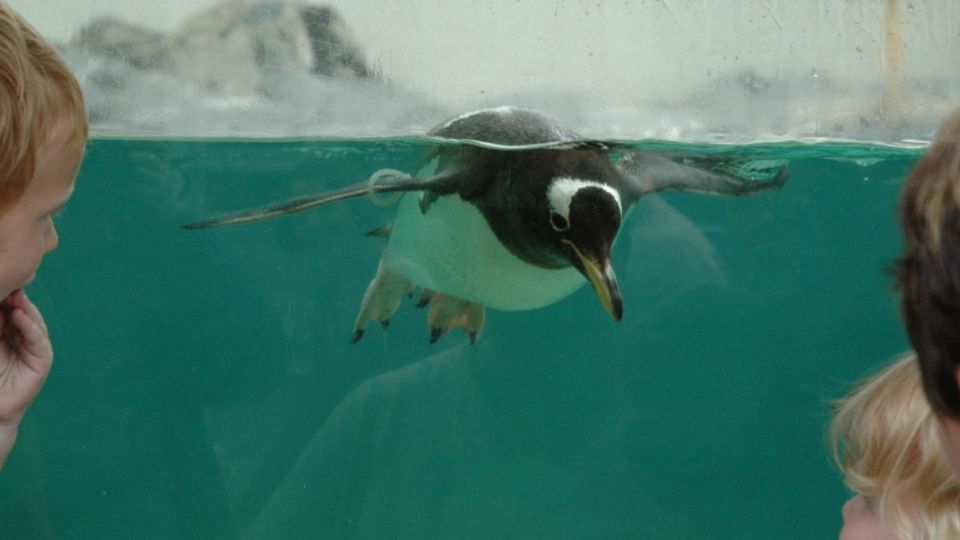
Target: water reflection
[(519, 436)]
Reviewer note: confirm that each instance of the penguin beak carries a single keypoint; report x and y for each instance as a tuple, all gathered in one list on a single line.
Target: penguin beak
[(604, 280)]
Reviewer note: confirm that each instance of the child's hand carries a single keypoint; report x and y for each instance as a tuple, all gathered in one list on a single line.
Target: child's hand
[(25, 357)]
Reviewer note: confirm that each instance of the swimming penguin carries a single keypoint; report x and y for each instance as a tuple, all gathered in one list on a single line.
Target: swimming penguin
[(515, 215)]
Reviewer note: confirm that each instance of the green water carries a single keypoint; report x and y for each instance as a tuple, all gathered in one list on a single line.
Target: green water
[(204, 386)]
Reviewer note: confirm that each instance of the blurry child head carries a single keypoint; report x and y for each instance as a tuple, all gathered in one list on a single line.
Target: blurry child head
[(886, 440), (929, 275), (43, 130), (40, 102)]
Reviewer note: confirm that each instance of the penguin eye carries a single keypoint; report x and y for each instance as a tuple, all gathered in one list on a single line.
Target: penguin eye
[(558, 222)]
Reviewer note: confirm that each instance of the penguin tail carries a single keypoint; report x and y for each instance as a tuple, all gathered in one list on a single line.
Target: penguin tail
[(382, 232)]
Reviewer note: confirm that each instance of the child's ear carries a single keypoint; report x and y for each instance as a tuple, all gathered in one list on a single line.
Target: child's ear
[(956, 376)]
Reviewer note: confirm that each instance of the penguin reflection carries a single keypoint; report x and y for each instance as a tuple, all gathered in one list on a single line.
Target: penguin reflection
[(479, 442)]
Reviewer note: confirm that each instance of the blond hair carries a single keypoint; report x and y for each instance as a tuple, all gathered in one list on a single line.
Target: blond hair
[(38, 93), (886, 440)]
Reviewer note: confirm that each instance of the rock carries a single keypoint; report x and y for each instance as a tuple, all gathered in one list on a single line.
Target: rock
[(244, 67), (236, 47), (119, 40), (334, 52)]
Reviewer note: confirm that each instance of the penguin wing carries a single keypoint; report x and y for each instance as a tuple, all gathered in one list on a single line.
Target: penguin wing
[(649, 172), (384, 181)]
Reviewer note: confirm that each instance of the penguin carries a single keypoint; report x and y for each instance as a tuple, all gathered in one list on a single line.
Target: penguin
[(511, 211)]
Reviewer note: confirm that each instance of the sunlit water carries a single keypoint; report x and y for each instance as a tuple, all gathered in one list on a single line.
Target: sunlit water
[(204, 386)]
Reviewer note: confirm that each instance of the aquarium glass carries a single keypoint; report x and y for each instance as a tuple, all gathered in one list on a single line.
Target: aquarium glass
[(205, 385)]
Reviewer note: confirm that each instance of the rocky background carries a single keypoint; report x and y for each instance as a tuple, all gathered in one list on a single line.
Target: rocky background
[(289, 68), (249, 67)]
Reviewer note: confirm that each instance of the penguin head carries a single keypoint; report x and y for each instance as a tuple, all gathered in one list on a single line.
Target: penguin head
[(585, 217)]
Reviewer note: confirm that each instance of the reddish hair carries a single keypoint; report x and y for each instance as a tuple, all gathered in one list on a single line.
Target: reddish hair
[(38, 95)]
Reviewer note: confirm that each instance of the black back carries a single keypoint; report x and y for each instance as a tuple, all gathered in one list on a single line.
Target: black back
[(505, 126)]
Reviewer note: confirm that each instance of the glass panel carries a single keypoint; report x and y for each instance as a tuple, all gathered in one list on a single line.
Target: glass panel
[(205, 384)]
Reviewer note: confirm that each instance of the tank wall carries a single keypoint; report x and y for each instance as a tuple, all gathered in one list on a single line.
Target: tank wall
[(754, 69)]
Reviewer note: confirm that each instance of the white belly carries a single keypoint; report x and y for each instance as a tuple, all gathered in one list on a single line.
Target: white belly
[(451, 249)]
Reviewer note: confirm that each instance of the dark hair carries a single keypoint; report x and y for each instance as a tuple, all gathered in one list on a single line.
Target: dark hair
[(928, 273)]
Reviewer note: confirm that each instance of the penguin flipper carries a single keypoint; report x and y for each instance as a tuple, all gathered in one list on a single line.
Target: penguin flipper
[(649, 172), (383, 181)]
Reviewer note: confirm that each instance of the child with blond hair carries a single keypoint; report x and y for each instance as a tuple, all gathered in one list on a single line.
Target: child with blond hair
[(886, 440), (43, 132)]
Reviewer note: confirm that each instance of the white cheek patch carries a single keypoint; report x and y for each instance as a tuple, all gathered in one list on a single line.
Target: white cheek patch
[(563, 189)]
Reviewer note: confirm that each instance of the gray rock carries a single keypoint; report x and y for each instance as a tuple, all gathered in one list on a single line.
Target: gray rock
[(244, 67), (235, 48), (119, 40), (334, 52)]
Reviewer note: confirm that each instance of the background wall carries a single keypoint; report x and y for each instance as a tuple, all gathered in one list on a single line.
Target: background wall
[(755, 68)]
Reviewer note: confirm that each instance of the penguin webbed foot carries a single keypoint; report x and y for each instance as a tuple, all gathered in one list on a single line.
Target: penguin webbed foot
[(381, 300), (449, 312), (385, 293)]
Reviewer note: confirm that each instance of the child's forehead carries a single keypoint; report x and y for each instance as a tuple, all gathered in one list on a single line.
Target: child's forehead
[(65, 133), (63, 117), (53, 184)]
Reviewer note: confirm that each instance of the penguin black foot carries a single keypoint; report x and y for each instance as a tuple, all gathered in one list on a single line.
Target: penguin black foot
[(426, 296), (357, 334), (448, 312)]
